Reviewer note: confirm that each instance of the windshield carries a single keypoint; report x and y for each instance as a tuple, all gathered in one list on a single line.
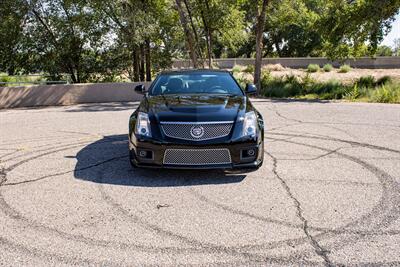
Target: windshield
[(196, 83)]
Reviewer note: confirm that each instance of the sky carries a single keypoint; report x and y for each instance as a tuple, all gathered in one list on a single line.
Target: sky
[(394, 33)]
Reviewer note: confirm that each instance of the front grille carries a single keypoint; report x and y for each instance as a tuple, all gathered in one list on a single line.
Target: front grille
[(197, 156), (197, 131)]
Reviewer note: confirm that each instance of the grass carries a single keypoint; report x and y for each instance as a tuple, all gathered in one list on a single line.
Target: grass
[(364, 89), (387, 93), (313, 68), (328, 67), (344, 68)]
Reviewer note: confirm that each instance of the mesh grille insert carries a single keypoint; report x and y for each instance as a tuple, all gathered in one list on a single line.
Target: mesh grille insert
[(196, 131), (197, 156)]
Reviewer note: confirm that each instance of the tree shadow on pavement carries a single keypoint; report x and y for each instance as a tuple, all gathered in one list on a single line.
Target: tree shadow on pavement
[(292, 100), (106, 161), (98, 107)]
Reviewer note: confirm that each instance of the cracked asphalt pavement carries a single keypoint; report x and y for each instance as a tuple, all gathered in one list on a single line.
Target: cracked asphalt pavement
[(328, 193)]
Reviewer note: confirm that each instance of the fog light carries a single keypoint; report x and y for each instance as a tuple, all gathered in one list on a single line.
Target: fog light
[(248, 153), (145, 154), (251, 152)]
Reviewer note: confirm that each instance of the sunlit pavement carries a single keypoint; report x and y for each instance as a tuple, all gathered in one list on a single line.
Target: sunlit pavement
[(327, 194)]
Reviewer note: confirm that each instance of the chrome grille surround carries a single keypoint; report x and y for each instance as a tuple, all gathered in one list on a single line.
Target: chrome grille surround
[(182, 130), (197, 157)]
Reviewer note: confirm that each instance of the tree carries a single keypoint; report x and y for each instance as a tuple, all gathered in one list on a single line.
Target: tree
[(60, 36), (188, 33), (346, 26), (384, 51), (259, 43), (396, 47), (12, 20)]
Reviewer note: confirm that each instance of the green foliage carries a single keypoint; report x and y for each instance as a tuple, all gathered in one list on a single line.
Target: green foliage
[(96, 40), (12, 14), (384, 80), (396, 48), (344, 68), (313, 68), (328, 67), (384, 51), (236, 69), (366, 81), (348, 25), (242, 79), (307, 88), (249, 69), (389, 93), (352, 94)]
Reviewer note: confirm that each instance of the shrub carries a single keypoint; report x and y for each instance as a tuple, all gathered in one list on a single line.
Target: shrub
[(344, 68), (384, 80), (242, 81), (366, 81), (389, 93), (236, 69), (352, 94), (313, 68), (274, 67), (328, 68), (249, 69)]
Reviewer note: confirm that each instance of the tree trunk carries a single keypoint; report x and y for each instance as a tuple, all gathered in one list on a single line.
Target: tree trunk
[(196, 36), (142, 58), (189, 36), (148, 61), (208, 36), (259, 44), (135, 64)]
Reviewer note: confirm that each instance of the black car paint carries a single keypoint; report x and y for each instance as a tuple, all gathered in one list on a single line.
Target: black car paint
[(196, 108)]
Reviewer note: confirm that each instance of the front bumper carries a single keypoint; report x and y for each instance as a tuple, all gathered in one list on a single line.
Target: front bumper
[(158, 150)]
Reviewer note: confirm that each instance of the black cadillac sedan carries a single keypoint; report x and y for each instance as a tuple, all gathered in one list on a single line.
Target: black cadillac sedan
[(196, 119)]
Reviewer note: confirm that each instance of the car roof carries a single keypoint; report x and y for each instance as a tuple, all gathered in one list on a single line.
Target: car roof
[(193, 71)]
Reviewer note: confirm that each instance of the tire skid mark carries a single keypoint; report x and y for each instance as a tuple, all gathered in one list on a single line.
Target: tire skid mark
[(11, 245), (65, 172), (12, 213), (323, 122), (200, 246), (202, 249), (393, 209), (8, 154), (39, 139), (389, 204), (354, 143), (46, 146)]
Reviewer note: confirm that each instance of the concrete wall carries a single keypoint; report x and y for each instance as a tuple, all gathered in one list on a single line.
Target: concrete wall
[(53, 95), (296, 63)]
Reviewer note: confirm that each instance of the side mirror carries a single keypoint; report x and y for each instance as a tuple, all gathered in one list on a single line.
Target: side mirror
[(141, 89), (251, 89)]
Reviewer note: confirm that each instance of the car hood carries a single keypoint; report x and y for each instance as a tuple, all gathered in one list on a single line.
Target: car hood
[(195, 108)]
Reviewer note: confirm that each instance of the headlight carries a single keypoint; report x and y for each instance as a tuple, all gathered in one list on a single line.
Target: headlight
[(143, 125), (249, 124)]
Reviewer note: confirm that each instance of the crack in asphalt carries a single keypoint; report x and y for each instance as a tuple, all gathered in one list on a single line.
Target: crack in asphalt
[(3, 177), (299, 211)]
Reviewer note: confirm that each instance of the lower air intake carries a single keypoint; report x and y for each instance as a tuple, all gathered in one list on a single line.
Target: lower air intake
[(197, 156)]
